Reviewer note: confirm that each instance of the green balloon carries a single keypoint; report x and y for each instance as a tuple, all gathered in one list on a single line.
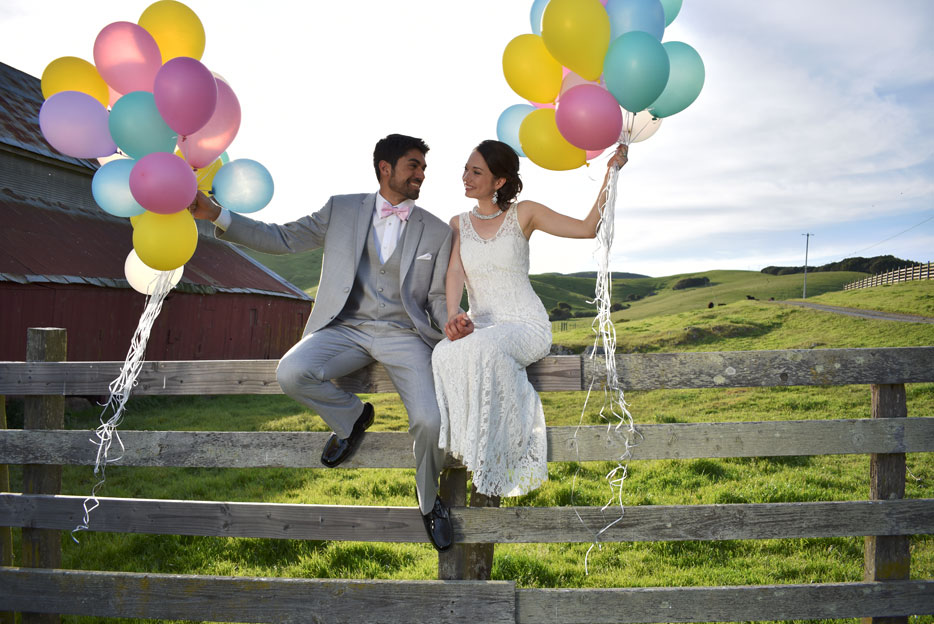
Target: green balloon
[(635, 70), (672, 8), (685, 80)]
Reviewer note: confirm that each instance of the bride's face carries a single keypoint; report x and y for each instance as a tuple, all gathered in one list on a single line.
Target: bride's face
[(479, 183)]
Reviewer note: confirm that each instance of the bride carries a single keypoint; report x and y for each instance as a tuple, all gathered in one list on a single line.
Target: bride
[(491, 416)]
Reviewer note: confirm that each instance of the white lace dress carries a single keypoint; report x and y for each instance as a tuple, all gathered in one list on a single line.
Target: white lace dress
[(491, 416)]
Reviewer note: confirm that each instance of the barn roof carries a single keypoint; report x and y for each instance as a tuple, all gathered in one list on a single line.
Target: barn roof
[(53, 232)]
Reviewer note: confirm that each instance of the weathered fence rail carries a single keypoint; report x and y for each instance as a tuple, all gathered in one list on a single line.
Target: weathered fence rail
[(904, 274), (888, 520)]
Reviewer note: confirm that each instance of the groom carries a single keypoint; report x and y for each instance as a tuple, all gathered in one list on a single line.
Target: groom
[(380, 298)]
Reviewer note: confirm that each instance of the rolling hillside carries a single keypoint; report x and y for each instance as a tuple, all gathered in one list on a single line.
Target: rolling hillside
[(646, 296)]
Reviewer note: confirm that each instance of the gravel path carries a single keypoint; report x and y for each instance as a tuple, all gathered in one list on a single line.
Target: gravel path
[(870, 314)]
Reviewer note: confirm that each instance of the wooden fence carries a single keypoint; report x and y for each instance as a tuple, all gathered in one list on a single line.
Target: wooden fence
[(888, 520), (905, 274)]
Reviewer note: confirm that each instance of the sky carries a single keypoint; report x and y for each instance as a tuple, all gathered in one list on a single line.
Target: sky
[(815, 117)]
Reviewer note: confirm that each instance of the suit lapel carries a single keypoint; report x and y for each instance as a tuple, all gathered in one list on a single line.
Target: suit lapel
[(363, 217), (410, 238)]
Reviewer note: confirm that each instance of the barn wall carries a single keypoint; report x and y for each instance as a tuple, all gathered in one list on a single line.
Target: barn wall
[(101, 321)]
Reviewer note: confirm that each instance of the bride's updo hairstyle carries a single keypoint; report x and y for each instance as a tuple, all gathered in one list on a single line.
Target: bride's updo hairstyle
[(503, 162)]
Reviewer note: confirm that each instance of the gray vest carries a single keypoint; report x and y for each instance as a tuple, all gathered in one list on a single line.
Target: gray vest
[(377, 292)]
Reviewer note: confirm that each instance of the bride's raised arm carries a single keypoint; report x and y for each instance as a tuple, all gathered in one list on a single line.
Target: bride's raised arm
[(535, 216)]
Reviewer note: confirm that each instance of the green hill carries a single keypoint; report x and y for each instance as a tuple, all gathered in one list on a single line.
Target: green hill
[(724, 287), (302, 269), (646, 296)]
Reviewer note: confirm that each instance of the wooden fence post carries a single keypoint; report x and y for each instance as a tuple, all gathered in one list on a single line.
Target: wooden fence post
[(887, 557), (42, 548), (479, 563), (6, 533), (453, 491)]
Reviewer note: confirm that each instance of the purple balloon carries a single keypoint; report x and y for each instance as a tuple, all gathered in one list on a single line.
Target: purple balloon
[(163, 183), (186, 94), (589, 117), (75, 124)]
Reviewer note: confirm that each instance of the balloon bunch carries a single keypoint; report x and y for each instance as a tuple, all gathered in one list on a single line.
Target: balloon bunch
[(160, 122), (595, 73)]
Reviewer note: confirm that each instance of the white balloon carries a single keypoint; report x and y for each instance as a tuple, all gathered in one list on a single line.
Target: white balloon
[(638, 126), (143, 278)]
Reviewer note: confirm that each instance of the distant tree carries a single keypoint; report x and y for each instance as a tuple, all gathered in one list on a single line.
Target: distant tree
[(564, 305), (691, 282), (559, 314), (583, 314), (616, 307)]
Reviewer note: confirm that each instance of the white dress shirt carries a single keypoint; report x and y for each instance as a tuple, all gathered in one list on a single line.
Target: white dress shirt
[(387, 231)]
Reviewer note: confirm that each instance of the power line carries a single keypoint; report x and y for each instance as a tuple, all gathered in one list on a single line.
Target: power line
[(853, 253)]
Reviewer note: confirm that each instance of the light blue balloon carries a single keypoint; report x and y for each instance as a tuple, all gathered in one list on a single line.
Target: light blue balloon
[(636, 70), (507, 126), (628, 15), (137, 127), (672, 8), (110, 187), (243, 185), (538, 10), (685, 80)]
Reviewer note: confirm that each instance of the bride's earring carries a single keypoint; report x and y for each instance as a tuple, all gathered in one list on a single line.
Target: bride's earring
[(496, 197)]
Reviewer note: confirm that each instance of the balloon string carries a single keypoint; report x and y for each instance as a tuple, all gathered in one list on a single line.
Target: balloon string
[(614, 404), (120, 389)]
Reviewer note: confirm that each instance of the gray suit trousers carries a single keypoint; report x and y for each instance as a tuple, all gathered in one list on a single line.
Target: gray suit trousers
[(306, 371)]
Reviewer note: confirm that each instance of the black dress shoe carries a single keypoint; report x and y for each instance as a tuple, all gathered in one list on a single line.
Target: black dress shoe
[(438, 525), (336, 450)]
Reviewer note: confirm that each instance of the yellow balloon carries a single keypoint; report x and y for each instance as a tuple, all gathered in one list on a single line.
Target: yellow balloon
[(176, 29), (70, 73), (530, 70), (204, 175), (542, 142), (577, 34), (165, 242)]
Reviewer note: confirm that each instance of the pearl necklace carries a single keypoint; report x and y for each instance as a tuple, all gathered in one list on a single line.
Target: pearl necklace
[(476, 212)]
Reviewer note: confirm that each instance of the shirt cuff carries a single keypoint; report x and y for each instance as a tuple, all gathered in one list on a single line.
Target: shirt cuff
[(223, 219)]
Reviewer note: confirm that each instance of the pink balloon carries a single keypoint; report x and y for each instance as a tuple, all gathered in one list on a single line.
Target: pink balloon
[(186, 94), (203, 147), (163, 183), (127, 57), (591, 154), (542, 104), (589, 117), (75, 124)]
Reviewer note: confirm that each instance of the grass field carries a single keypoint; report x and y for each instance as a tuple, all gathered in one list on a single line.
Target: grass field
[(741, 324)]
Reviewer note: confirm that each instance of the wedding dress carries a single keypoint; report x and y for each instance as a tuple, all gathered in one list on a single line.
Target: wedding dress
[(491, 416)]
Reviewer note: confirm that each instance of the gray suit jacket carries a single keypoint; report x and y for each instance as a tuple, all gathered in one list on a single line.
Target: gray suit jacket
[(341, 227)]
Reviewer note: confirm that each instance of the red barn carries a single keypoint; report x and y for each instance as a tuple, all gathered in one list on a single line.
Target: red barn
[(61, 264)]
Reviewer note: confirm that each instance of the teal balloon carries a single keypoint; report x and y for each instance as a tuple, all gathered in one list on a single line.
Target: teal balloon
[(535, 16), (243, 185), (628, 15), (636, 70), (507, 126), (137, 127), (110, 187), (685, 80), (672, 8)]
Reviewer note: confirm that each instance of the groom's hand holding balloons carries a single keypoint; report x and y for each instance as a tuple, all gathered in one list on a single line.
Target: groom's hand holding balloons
[(204, 208)]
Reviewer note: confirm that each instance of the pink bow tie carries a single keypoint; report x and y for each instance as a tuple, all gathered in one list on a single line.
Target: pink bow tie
[(400, 211)]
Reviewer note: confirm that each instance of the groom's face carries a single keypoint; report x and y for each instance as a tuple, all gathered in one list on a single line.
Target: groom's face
[(408, 174)]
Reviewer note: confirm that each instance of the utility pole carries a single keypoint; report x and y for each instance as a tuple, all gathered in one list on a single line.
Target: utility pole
[(807, 239)]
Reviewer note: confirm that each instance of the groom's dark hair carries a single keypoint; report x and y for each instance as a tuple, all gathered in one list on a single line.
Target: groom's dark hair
[(394, 147)]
